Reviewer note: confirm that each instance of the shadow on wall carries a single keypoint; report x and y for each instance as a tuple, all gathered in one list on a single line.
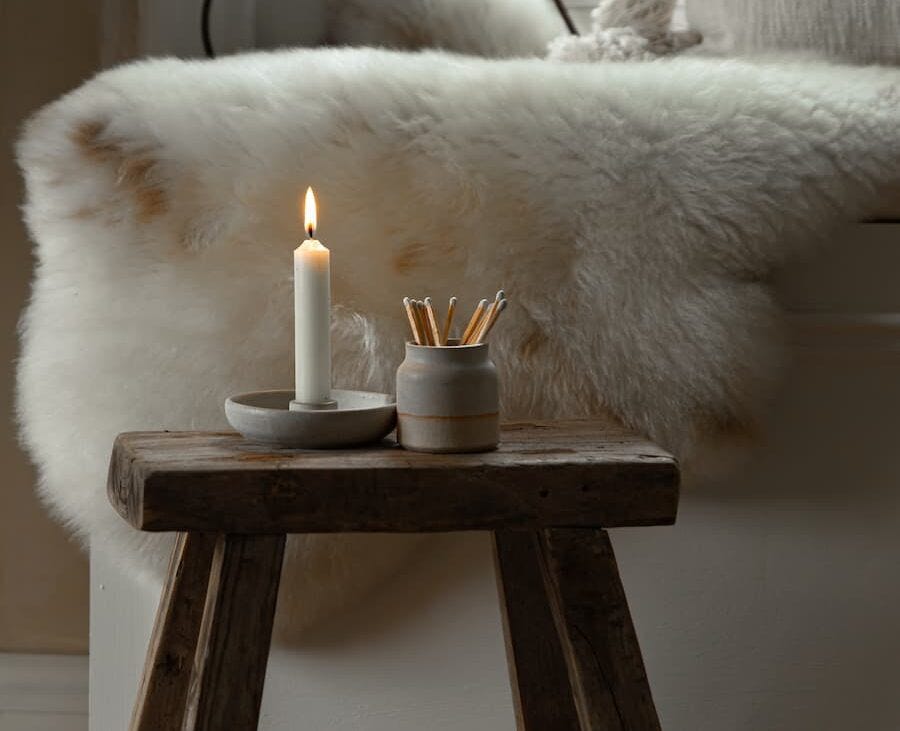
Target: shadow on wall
[(447, 560), (772, 603)]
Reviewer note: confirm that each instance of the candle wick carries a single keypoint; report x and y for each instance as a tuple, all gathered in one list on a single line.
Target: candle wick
[(310, 230)]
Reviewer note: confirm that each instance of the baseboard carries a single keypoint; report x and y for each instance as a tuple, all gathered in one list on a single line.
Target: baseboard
[(43, 692)]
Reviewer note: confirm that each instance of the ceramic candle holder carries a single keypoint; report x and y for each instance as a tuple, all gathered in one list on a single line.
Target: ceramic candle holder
[(272, 417), (448, 399)]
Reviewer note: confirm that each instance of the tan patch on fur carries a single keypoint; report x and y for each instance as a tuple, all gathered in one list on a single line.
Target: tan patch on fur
[(86, 212), (134, 172), (151, 202), (428, 253), (87, 136), (410, 257), (532, 344)]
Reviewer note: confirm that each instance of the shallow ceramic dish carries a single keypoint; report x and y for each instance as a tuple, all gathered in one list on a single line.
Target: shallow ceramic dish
[(361, 417)]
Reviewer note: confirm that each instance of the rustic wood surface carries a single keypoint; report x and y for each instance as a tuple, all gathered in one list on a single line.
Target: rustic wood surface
[(233, 648), (578, 473), (605, 665), (162, 695), (538, 671)]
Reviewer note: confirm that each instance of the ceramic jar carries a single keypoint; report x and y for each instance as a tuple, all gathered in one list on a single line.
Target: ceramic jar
[(447, 399)]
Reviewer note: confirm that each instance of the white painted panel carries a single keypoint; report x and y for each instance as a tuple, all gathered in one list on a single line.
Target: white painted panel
[(42, 722), (43, 692), (122, 611)]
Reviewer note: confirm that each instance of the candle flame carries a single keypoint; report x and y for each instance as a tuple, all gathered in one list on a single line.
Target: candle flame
[(309, 222)]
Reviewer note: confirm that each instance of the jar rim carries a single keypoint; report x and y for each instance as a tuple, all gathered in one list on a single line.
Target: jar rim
[(451, 345)]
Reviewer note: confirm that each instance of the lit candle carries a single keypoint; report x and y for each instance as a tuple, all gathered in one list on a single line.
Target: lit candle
[(312, 315)]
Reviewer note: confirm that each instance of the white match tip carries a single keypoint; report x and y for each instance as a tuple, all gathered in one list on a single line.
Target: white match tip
[(500, 295)]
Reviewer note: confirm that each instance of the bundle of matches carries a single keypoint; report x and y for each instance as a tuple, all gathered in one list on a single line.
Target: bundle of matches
[(423, 321)]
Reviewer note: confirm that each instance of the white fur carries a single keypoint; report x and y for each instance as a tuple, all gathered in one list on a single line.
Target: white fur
[(632, 213)]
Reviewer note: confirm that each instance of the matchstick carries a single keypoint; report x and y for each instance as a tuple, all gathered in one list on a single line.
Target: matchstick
[(451, 310), (423, 323), (432, 322), (414, 308), (413, 320), (491, 321), (473, 322), (426, 326), (477, 333), (485, 319)]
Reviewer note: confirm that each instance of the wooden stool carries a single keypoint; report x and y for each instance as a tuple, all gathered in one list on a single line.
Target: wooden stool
[(547, 494)]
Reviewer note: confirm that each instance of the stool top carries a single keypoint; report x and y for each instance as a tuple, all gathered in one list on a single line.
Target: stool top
[(586, 473)]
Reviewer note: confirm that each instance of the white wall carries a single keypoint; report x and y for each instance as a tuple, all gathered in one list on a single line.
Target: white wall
[(46, 49), (173, 26)]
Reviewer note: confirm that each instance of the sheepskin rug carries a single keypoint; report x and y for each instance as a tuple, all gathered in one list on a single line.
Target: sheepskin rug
[(632, 212)]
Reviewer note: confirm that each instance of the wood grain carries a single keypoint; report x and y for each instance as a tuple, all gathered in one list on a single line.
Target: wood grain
[(233, 649), (538, 670), (162, 694), (605, 664), (580, 473)]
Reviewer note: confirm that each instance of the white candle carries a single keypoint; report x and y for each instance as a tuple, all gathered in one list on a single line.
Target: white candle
[(312, 314)]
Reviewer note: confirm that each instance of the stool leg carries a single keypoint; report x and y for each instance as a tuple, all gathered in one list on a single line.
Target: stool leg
[(605, 664), (162, 694), (230, 665), (537, 666)]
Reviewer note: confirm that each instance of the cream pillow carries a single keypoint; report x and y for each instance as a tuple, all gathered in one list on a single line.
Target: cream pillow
[(865, 31)]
